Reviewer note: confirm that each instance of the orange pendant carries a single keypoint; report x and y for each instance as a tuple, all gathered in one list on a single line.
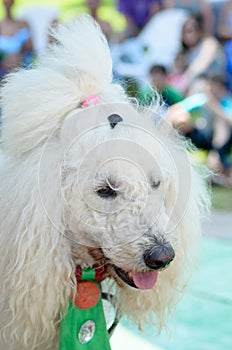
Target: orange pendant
[(88, 295)]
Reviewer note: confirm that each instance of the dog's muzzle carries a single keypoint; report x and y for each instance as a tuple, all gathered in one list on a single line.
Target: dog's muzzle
[(159, 257)]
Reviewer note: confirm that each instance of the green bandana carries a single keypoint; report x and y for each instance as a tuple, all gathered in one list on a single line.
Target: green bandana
[(85, 329)]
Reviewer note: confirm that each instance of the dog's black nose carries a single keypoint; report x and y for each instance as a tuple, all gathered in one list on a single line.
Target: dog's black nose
[(159, 256)]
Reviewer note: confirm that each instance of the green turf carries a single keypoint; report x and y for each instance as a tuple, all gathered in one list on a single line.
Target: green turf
[(222, 198)]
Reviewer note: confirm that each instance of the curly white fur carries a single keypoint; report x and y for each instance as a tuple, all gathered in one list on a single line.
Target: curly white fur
[(48, 218)]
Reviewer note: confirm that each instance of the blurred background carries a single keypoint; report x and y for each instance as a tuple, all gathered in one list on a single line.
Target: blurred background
[(183, 49)]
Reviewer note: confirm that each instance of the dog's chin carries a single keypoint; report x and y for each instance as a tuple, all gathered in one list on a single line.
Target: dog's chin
[(138, 280)]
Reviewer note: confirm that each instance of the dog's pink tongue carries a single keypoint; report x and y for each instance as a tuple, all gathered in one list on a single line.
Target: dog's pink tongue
[(144, 280)]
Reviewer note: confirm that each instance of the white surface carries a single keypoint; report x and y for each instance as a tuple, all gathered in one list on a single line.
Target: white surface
[(124, 339), (39, 19)]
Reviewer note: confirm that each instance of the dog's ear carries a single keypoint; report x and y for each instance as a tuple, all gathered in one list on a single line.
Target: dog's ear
[(36, 268)]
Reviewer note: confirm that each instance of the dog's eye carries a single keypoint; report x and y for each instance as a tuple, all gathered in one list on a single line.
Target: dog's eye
[(106, 192), (155, 184)]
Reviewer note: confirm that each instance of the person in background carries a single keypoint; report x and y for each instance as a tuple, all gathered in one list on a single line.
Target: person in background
[(158, 80), (203, 53), (225, 35), (219, 102), (137, 14), (15, 42), (175, 76), (93, 6), (225, 22), (192, 6), (213, 106)]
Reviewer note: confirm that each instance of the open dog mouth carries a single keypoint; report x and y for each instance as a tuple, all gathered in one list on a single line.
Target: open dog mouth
[(136, 279), (139, 280)]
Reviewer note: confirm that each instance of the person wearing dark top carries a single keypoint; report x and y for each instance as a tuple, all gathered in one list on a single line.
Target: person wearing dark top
[(158, 80)]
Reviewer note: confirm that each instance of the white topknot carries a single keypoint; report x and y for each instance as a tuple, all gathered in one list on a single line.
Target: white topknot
[(90, 55), (77, 65)]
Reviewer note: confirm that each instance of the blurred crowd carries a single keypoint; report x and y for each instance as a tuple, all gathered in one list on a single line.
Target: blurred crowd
[(180, 48)]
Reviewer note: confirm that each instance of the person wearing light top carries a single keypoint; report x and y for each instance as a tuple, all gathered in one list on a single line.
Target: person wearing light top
[(15, 42), (203, 53)]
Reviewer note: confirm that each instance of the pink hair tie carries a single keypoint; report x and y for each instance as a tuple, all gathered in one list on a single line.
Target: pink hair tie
[(90, 101)]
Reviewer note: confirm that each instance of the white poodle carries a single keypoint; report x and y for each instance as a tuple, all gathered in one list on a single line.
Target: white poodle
[(89, 178)]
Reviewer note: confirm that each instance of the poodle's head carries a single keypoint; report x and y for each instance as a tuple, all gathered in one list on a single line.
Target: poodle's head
[(125, 188)]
